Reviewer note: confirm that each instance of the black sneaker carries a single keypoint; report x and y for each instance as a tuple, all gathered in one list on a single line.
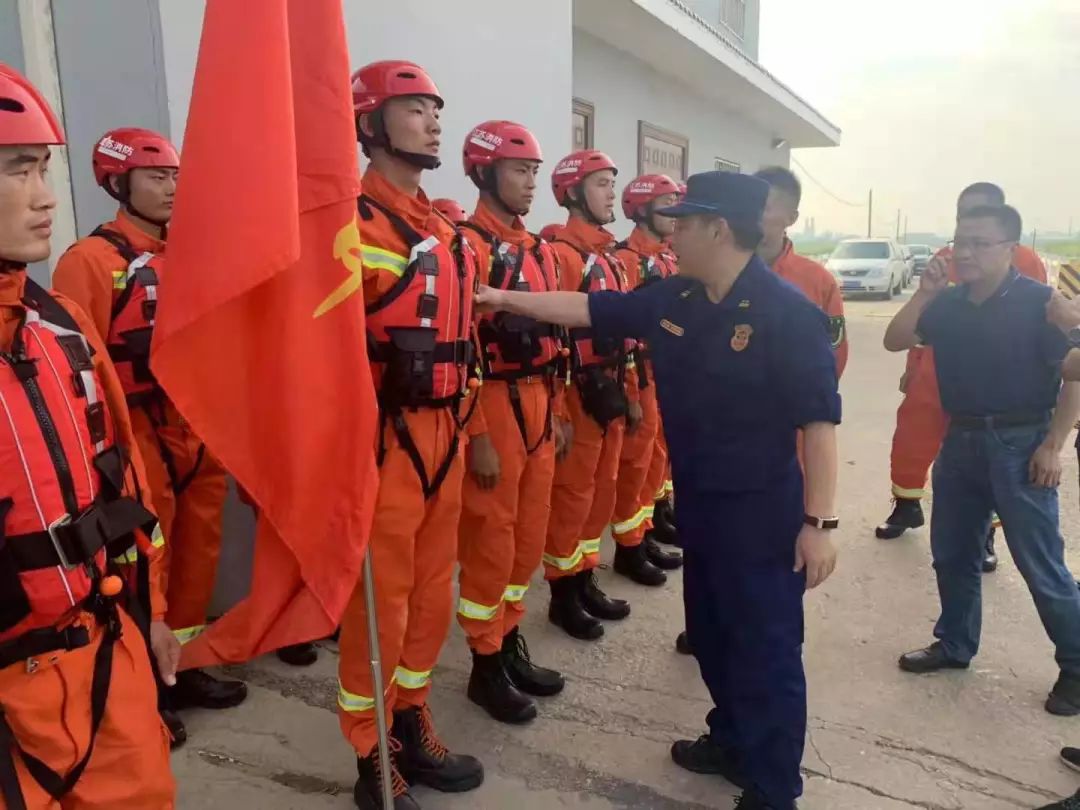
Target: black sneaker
[(425, 760), (198, 689), (367, 792), (929, 659), (1064, 699), (298, 655), (704, 756), (1071, 757), (990, 560), (906, 514), (1071, 803), (527, 676), (176, 727), (598, 603), (682, 644)]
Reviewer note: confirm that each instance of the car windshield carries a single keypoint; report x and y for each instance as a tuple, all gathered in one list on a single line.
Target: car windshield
[(861, 250), (920, 250)]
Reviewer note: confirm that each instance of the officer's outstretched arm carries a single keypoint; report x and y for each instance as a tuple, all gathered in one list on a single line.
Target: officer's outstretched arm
[(562, 308)]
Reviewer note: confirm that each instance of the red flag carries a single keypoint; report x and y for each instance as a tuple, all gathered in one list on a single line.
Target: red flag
[(259, 340)]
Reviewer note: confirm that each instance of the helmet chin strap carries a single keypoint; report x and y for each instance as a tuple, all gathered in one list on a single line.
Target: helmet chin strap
[(382, 138), (11, 266), (123, 196), (586, 210), (489, 182)]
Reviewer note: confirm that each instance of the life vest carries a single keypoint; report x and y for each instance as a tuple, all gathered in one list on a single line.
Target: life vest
[(131, 325), (652, 268), (513, 346), (419, 333), (601, 272), (61, 508)]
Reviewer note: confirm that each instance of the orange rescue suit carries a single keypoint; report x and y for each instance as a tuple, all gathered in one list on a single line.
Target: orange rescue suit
[(502, 531), (187, 485), (920, 421), (414, 534), (583, 494), (46, 699), (643, 460)]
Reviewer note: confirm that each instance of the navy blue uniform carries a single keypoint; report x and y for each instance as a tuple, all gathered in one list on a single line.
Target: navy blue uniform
[(735, 380)]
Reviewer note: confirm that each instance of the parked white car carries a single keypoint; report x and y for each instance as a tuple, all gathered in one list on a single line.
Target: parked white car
[(872, 266)]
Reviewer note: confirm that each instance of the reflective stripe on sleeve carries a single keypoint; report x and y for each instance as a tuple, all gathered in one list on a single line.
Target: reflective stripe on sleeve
[(186, 634), (379, 259)]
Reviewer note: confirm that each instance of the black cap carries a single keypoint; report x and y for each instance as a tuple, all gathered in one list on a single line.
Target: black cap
[(738, 197)]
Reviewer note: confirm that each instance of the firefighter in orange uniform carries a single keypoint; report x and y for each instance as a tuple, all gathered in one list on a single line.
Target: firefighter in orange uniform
[(643, 461), (920, 420), (75, 676), (600, 402), (451, 209), (506, 498), (418, 280), (113, 275)]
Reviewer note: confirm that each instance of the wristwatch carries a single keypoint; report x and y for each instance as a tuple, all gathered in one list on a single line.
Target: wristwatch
[(822, 523)]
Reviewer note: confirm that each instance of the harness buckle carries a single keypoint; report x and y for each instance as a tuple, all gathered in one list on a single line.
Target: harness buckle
[(54, 529)]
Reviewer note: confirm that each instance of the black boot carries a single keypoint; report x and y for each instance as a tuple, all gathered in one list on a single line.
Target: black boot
[(633, 563), (525, 675), (664, 560), (704, 756), (567, 612), (664, 523), (177, 730), (490, 689), (425, 760), (598, 603), (299, 655), (367, 793), (682, 644), (906, 514), (1064, 699), (196, 689), (990, 560)]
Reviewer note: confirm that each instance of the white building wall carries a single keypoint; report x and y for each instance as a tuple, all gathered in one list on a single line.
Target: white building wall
[(491, 59), (624, 91)]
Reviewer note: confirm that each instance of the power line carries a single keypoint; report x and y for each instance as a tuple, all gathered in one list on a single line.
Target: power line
[(822, 186)]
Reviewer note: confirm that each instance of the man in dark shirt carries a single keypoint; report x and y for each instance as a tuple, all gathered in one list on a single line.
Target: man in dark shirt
[(742, 360), (1004, 441)]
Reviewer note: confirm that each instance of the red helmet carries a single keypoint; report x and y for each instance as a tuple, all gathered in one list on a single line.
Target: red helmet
[(121, 150), (547, 233), (643, 190), (25, 115), (451, 209), (499, 140), (374, 84), (682, 189), (574, 168)]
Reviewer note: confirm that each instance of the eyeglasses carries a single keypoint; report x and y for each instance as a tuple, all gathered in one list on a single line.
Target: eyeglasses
[(978, 245)]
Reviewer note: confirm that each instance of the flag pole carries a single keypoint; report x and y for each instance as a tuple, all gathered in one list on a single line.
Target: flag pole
[(377, 684)]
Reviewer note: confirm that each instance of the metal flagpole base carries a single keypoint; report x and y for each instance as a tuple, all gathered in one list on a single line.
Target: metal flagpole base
[(377, 684)]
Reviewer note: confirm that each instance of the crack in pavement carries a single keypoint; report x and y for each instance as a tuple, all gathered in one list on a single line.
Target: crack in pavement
[(813, 745), (298, 782), (881, 794)]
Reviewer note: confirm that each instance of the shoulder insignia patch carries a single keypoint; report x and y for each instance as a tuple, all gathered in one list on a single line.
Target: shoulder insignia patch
[(675, 329), (744, 304), (741, 339), (836, 330)]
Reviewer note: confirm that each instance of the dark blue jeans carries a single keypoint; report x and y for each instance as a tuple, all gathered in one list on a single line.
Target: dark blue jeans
[(978, 471)]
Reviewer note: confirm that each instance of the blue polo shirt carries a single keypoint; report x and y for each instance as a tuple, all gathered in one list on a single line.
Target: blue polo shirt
[(997, 357), (735, 379)]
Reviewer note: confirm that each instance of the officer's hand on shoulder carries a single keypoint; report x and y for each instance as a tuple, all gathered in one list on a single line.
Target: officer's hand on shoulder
[(815, 552), (488, 299)]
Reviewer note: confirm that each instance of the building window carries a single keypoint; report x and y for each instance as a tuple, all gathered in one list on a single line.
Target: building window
[(662, 152), (733, 15), (584, 115), (722, 165)]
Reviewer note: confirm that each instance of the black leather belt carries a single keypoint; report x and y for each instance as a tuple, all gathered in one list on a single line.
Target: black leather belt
[(996, 421)]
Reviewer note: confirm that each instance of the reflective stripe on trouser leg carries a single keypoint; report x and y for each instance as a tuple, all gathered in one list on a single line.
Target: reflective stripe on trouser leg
[(572, 493), (920, 429), (635, 462)]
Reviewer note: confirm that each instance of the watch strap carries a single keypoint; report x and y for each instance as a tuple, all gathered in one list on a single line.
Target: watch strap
[(821, 523)]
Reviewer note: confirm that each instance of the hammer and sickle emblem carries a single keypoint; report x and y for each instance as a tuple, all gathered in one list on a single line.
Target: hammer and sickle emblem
[(347, 247)]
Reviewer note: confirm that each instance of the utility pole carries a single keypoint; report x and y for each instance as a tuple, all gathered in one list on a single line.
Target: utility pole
[(897, 224), (870, 217), (905, 229), (1034, 237)]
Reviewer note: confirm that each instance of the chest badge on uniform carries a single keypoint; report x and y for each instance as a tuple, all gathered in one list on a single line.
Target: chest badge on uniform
[(741, 339), (674, 328)]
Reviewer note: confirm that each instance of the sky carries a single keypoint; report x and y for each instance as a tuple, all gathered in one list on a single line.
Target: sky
[(932, 95)]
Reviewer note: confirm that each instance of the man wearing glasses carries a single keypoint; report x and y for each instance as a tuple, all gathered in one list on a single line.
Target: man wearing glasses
[(998, 364)]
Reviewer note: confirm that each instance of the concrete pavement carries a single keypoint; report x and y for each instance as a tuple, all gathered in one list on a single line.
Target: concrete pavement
[(879, 739)]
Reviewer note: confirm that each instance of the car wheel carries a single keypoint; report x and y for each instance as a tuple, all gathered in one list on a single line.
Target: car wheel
[(899, 288), (888, 294)]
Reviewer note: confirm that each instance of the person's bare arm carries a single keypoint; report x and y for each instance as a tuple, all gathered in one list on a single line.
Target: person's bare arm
[(814, 549), (1045, 465), (563, 308), (1070, 368), (902, 333)]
